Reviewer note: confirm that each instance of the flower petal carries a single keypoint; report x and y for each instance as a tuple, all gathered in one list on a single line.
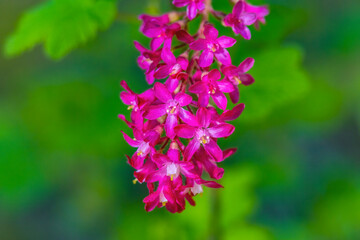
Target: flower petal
[(130, 141), (162, 72), (246, 65), (210, 32), (223, 56), (239, 8), (170, 124), (225, 86), (191, 10), (235, 95), (203, 117), (221, 131), (199, 87), (206, 58), (199, 44), (213, 149), (220, 100), (226, 42), (191, 148), (183, 99), (162, 93), (204, 99), (167, 56), (155, 111), (185, 131), (214, 75), (233, 114), (187, 117)]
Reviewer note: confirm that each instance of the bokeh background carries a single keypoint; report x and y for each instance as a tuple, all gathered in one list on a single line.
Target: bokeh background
[(63, 174)]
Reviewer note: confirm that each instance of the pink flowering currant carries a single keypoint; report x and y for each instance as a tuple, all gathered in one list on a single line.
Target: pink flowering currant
[(176, 124)]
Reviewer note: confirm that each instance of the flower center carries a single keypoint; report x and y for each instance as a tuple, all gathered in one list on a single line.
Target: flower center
[(196, 189), (237, 80), (172, 107), (175, 70), (213, 47), (162, 198), (202, 136), (212, 89), (172, 170)]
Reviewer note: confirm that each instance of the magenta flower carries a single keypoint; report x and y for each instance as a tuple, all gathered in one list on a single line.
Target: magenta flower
[(172, 106), (210, 86), (260, 11), (213, 46), (239, 19), (158, 29), (176, 149), (204, 135), (148, 60), (238, 75), (193, 6)]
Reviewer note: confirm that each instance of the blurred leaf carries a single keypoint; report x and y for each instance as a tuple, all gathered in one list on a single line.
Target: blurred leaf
[(61, 25), (280, 80)]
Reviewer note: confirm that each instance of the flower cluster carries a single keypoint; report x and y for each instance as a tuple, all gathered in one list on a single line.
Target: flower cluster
[(176, 124)]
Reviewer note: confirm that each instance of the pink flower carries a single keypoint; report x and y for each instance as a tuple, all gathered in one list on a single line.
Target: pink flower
[(172, 106), (193, 6), (260, 11), (213, 46), (238, 75), (203, 134), (210, 86), (239, 19)]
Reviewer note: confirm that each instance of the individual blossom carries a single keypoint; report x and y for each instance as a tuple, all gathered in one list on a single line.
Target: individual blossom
[(210, 86), (260, 11), (212, 45), (238, 75), (171, 106), (193, 6), (239, 19), (202, 134)]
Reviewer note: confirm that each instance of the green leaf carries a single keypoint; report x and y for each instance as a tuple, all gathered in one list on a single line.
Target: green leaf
[(280, 80), (61, 26)]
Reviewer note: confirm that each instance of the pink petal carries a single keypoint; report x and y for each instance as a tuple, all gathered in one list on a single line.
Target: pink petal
[(167, 56), (247, 79), (187, 117), (184, 36), (185, 131), (214, 150), (170, 124), (246, 65), (244, 31), (156, 43), (235, 95), (162, 93), (226, 42), (203, 117), (225, 86), (199, 87), (214, 75), (220, 100), (223, 56), (191, 148), (183, 99), (233, 114), (221, 131), (130, 141), (204, 99), (191, 11), (210, 32), (155, 111), (162, 72), (180, 3), (172, 84), (249, 18), (213, 170), (239, 8), (199, 45), (229, 152), (206, 58)]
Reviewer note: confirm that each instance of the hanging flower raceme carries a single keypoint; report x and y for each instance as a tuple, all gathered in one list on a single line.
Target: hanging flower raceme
[(175, 125)]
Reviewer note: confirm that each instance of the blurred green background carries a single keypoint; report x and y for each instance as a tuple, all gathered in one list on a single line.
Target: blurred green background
[(63, 174)]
